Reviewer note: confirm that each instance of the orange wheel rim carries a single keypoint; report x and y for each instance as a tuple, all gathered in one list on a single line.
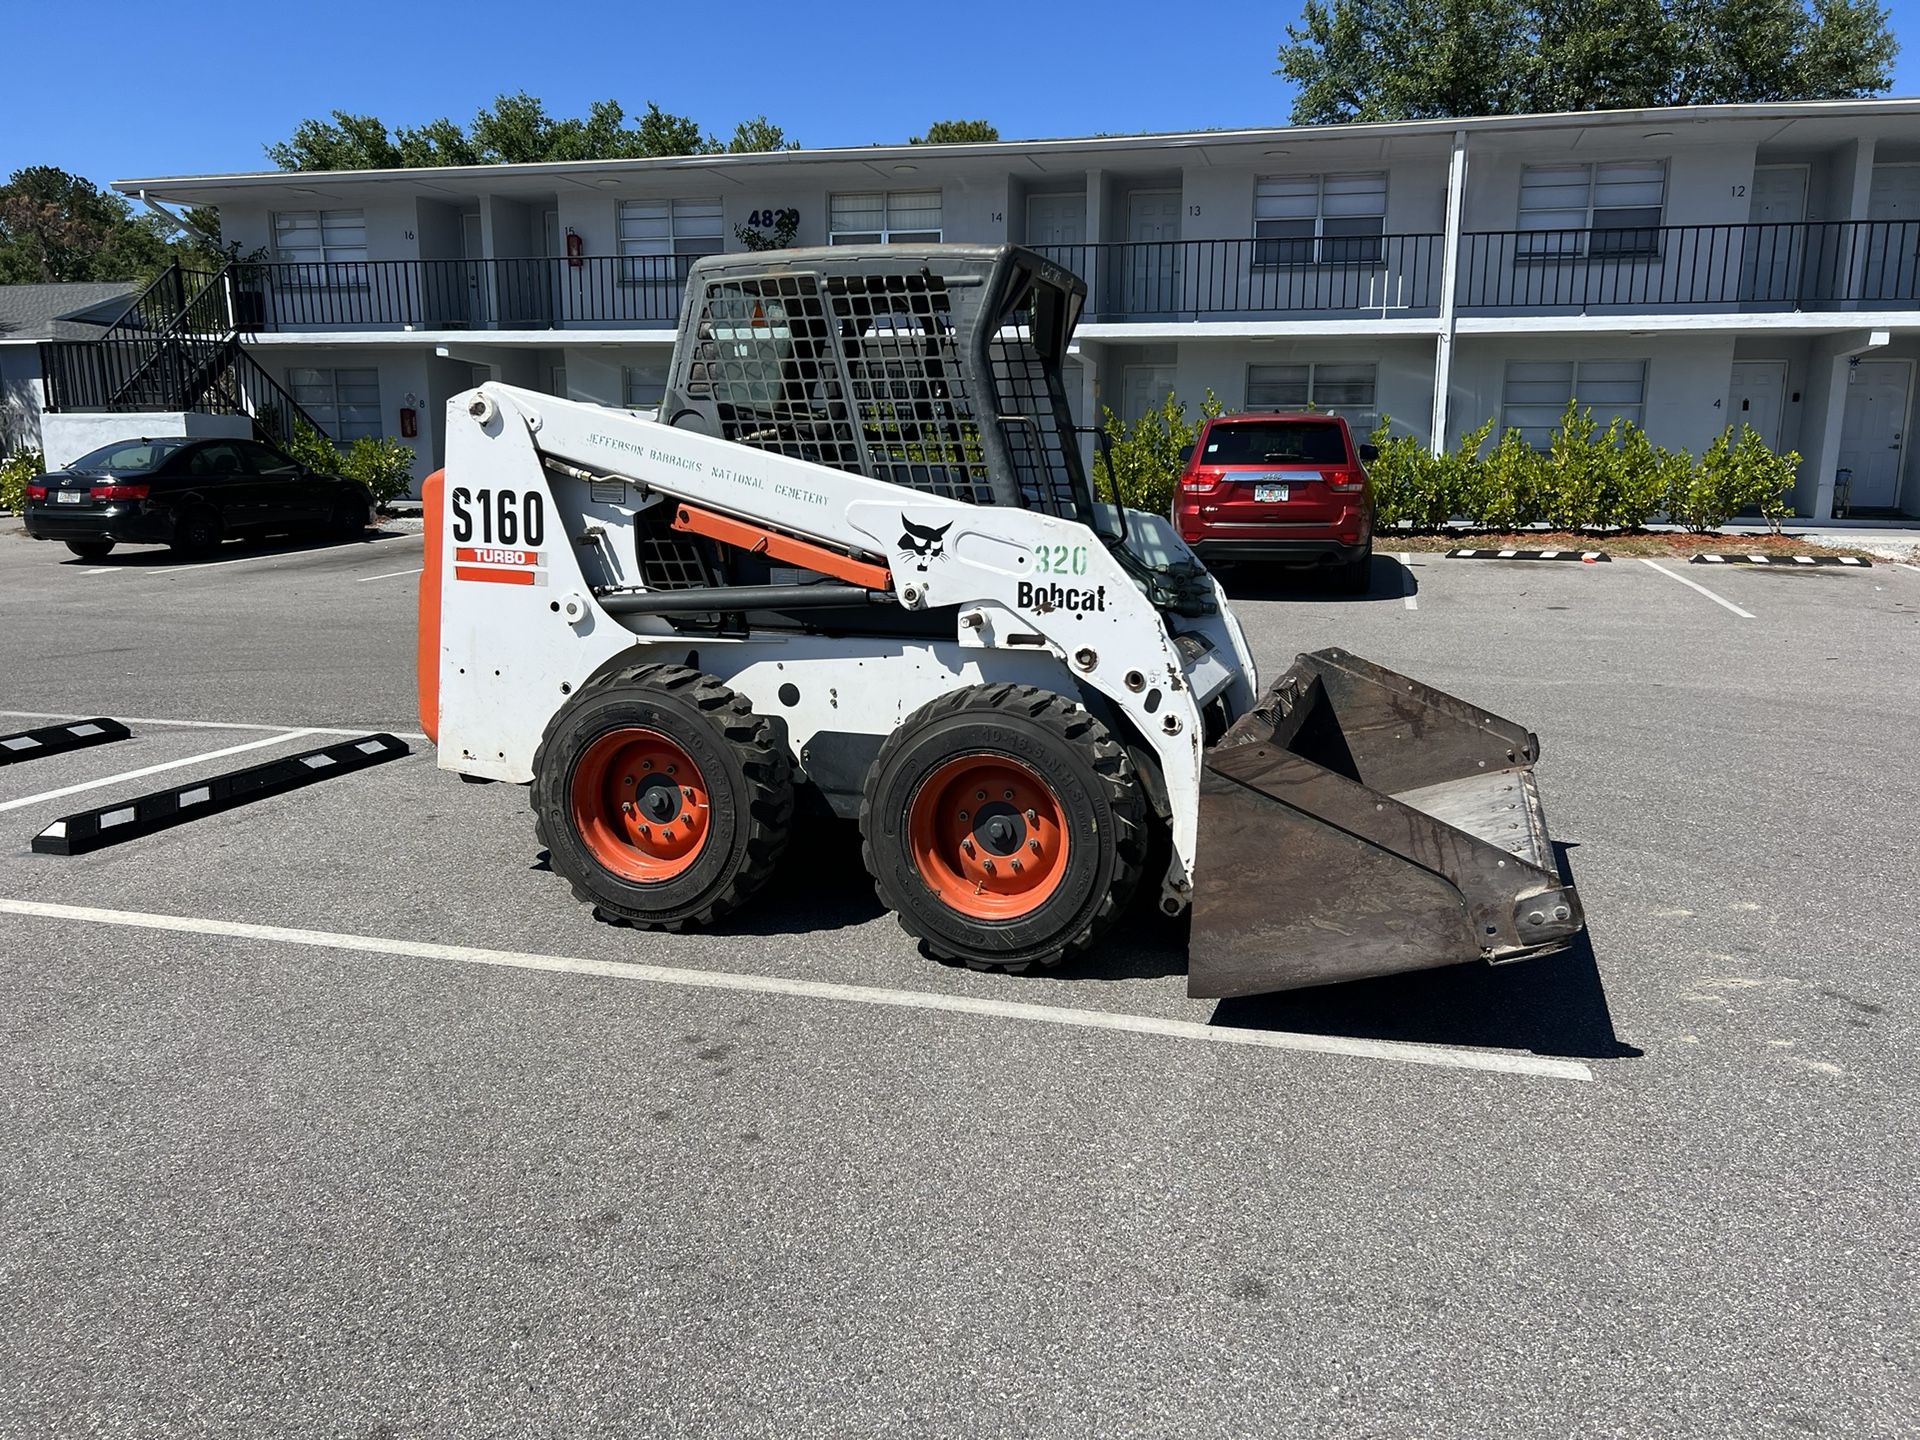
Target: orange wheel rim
[(988, 837), (640, 805)]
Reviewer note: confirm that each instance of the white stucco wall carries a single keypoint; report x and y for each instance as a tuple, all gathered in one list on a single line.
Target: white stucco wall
[(66, 437)]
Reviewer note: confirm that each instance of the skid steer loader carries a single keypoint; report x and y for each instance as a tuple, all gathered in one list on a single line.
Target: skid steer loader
[(856, 562)]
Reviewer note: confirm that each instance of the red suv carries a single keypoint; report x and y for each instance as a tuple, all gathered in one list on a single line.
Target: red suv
[(1290, 489)]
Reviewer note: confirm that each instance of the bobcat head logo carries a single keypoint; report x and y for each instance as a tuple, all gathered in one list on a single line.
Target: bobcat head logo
[(921, 543)]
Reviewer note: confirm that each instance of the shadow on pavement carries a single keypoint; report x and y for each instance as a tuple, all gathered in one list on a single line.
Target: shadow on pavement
[(1390, 581), (159, 557)]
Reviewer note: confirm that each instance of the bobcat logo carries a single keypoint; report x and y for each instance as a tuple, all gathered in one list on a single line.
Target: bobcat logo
[(921, 543)]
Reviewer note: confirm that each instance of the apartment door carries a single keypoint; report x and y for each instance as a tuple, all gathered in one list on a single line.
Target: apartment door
[(1153, 252), (1756, 397), (1144, 388), (1893, 245), (1771, 255), (1057, 221), (473, 251), (1873, 434)]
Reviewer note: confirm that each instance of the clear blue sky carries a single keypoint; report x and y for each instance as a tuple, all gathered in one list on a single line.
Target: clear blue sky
[(116, 88)]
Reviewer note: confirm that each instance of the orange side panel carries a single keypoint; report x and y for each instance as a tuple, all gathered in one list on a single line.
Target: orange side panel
[(426, 645), (781, 547)]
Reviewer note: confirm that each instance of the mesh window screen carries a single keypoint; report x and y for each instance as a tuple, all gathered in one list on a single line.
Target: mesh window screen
[(1029, 417)]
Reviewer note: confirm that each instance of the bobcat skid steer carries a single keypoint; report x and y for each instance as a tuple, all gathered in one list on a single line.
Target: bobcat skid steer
[(857, 563)]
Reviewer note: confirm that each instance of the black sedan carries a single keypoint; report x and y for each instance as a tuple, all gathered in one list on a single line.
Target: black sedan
[(189, 494)]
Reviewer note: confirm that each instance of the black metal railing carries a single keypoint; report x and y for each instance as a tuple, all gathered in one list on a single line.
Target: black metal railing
[(1811, 265), (1187, 279)]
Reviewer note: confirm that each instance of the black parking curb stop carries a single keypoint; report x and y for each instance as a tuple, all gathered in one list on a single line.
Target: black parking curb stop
[(1591, 557), (1782, 560), (57, 739), (129, 819)]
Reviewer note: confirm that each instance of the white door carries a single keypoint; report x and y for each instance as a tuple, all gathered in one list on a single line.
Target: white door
[(1153, 251), (1056, 220), (1873, 435), (1771, 255), (471, 250), (1144, 388), (1893, 246), (1755, 397)]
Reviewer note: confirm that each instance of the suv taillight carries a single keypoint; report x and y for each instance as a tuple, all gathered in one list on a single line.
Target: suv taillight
[(36, 492), (1344, 482), (1200, 482), (117, 491)]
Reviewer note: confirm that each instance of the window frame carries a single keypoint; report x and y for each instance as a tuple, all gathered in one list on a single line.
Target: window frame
[(627, 374), (1577, 242), (340, 427), (888, 233), (1319, 244), (682, 249), (1635, 414), (328, 272), (1349, 413)]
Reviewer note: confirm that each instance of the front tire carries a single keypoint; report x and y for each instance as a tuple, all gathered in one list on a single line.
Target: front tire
[(661, 797), (91, 549), (1004, 826)]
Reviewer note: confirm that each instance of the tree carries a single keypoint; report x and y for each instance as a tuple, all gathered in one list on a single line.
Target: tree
[(957, 132), (1419, 59), (60, 227), (759, 134)]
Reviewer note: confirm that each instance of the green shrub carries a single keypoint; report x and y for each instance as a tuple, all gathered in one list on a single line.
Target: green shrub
[(1146, 455), (1423, 489), (1732, 475), (15, 471), (384, 466), (314, 450), (1507, 488), (1644, 478)]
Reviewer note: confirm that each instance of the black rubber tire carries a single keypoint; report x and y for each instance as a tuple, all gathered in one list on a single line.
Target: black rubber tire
[(742, 758), (347, 519), (1091, 776), (1356, 576), (91, 549), (197, 532)]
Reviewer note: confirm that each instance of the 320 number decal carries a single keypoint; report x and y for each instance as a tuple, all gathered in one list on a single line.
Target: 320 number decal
[(1060, 559), (506, 517)]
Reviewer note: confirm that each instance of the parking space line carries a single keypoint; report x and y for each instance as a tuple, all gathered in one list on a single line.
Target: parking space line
[(1692, 585), (1905, 566), (1442, 1056), (1406, 580), (47, 795), (218, 724), (390, 575)]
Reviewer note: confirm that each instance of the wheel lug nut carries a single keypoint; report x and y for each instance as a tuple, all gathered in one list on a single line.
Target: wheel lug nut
[(967, 845), (979, 794), (1006, 795), (629, 779), (1034, 845), (673, 769), (687, 790), (666, 834), (1016, 867), (1030, 817), (963, 814), (989, 865), (646, 764)]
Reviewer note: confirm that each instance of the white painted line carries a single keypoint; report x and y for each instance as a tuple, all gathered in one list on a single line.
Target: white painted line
[(218, 724), (390, 575), (1406, 562), (275, 555), (1905, 566), (103, 570), (1443, 1056), (46, 795), (1692, 585)]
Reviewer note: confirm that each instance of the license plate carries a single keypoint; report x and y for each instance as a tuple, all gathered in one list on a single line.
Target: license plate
[(1269, 492), (69, 497)]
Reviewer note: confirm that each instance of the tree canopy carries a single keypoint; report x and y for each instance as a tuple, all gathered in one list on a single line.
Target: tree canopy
[(515, 129), (1420, 59), (56, 227), (957, 132)]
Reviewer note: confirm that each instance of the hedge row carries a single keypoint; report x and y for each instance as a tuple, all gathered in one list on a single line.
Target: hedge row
[(1586, 479)]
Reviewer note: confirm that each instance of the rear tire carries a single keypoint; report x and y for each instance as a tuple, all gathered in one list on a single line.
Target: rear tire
[(197, 532), (1356, 575), (91, 549), (661, 797), (1018, 882)]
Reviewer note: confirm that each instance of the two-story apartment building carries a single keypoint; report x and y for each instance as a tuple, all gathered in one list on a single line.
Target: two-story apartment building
[(1686, 268)]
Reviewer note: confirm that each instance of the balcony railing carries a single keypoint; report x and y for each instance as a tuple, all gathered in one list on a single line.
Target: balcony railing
[(1815, 266)]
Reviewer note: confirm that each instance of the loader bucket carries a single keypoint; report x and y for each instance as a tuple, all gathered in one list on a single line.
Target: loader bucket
[(1357, 823)]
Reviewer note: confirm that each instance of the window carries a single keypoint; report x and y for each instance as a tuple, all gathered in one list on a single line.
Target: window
[(897, 217), (1536, 393), (659, 238), (644, 386), (325, 247), (264, 460), (1346, 390), (345, 403), (1273, 442), (221, 458), (1319, 219), (1611, 208)]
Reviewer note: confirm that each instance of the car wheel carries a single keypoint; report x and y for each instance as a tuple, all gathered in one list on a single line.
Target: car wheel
[(91, 549), (1356, 576), (348, 518), (197, 532)]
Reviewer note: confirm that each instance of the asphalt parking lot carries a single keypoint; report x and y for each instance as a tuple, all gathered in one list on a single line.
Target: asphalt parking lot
[(335, 1115)]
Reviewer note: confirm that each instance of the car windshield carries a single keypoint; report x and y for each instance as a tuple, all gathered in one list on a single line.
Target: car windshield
[(1270, 442), (126, 457)]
